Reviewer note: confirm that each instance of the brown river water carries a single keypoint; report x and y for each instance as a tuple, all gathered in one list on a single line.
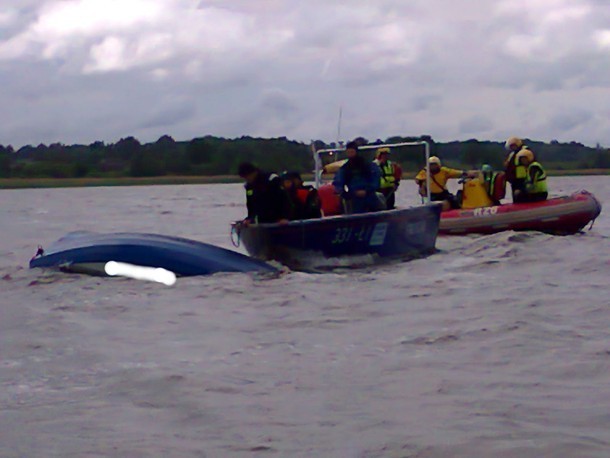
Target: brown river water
[(495, 346)]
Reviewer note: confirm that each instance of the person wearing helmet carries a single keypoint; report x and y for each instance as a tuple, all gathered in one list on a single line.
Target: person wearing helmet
[(535, 187), (439, 176), (516, 173), (357, 182), (494, 182), (391, 173)]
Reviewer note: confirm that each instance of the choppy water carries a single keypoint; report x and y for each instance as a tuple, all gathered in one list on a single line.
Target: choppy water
[(496, 346)]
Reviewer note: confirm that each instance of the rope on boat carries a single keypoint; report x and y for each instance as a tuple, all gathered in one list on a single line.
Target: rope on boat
[(39, 253), (236, 234)]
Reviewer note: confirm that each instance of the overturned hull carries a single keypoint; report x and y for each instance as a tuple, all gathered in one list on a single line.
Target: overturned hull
[(88, 252), (346, 240), (560, 215)]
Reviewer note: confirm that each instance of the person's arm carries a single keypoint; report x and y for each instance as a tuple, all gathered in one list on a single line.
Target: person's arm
[(397, 173), (339, 181), (280, 197), (454, 173), (250, 204), (375, 180)]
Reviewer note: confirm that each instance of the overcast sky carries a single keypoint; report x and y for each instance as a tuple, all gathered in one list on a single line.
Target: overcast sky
[(77, 71)]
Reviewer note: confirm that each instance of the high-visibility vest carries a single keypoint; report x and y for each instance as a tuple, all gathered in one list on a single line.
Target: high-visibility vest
[(537, 184), (520, 170), (387, 175)]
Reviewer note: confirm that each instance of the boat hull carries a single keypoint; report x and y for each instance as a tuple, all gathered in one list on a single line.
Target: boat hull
[(88, 252), (346, 240), (561, 215)]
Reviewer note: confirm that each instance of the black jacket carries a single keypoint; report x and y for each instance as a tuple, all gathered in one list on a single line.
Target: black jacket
[(266, 200)]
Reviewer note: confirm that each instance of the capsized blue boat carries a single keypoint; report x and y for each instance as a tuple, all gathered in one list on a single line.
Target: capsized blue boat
[(88, 252)]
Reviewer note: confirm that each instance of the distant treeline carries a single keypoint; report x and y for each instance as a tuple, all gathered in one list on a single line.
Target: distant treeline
[(219, 156)]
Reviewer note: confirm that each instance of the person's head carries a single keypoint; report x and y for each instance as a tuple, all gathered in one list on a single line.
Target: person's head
[(247, 171), (382, 154), (291, 180), (435, 164), (297, 181), (525, 157), (351, 149), (486, 168), (513, 144)]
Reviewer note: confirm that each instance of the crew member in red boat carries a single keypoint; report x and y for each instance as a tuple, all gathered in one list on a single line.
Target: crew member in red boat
[(304, 199), (439, 176), (266, 200), (535, 188), (516, 173)]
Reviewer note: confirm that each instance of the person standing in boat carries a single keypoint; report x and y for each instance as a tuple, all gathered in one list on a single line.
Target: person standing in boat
[(357, 182), (516, 173), (439, 176), (535, 188), (304, 199), (391, 173), (266, 200)]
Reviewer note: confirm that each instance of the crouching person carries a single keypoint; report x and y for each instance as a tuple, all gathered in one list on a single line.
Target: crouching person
[(266, 200)]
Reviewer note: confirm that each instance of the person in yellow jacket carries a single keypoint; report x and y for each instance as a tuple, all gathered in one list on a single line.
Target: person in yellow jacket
[(439, 176), (535, 188), (391, 173), (516, 173)]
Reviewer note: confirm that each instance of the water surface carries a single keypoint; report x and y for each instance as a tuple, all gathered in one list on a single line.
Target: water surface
[(496, 346)]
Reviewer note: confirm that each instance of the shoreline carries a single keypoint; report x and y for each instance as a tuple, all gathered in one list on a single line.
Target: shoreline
[(32, 183)]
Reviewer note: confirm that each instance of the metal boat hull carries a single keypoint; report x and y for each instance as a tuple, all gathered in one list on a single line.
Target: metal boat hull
[(346, 240)]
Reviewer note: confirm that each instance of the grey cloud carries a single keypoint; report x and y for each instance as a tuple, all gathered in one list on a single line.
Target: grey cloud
[(425, 102), (475, 125), (169, 114), (278, 102), (569, 119), (435, 61)]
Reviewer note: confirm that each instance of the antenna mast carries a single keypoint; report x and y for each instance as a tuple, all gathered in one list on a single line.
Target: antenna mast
[(339, 125)]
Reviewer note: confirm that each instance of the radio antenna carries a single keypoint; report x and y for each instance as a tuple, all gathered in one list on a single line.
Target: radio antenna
[(339, 125)]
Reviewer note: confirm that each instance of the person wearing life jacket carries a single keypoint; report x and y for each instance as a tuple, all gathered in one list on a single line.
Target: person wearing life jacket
[(391, 173), (494, 182), (357, 182), (266, 200), (439, 176), (304, 199), (516, 173), (535, 188)]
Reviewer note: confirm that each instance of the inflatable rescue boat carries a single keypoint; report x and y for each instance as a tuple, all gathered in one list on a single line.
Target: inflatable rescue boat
[(559, 215)]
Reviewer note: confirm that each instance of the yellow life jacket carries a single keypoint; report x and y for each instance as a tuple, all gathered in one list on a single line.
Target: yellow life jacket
[(387, 174), (537, 184), (520, 170)]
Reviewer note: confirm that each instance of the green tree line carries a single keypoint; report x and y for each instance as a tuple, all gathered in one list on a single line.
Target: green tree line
[(220, 156)]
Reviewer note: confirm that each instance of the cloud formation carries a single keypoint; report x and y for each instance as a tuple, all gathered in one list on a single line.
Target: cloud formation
[(86, 70)]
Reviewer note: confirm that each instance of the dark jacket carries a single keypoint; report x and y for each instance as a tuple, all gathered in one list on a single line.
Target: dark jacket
[(357, 174), (266, 200)]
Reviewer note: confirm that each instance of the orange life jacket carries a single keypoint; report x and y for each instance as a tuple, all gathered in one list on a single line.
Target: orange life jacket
[(302, 195)]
